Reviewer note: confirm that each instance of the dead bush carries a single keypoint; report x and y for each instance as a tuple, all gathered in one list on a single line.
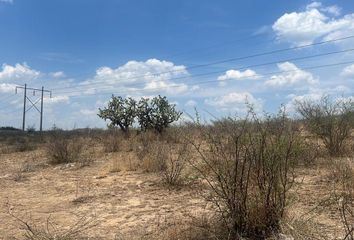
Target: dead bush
[(248, 165), (63, 148), (154, 159), (113, 140), (51, 231), (330, 120), (175, 158), (144, 143), (342, 174)]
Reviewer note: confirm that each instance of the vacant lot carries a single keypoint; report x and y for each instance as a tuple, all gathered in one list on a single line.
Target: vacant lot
[(114, 195)]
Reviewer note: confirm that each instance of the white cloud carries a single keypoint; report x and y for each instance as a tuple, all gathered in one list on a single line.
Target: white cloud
[(18, 72), (7, 87), (348, 71), (234, 101), (89, 112), (152, 75), (300, 28), (57, 99), (312, 96), (334, 9), (57, 74), (191, 103), (292, 76), (239, 75)]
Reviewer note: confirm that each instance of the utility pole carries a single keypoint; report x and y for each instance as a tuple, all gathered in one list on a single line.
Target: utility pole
[(33, 104), (24, 107), (41, 121)]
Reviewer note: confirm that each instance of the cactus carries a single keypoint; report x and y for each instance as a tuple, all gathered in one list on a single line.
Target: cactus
[(121, 112), (156, 113)]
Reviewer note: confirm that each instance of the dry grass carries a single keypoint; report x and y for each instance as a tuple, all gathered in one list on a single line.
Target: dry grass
[(123, 188)]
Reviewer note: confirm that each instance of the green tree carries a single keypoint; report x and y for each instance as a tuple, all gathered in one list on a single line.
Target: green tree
[(156, 113), (120, 112)]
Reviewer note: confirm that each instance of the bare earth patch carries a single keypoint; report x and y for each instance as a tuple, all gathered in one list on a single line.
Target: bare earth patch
[(122, 202), (127, 202)]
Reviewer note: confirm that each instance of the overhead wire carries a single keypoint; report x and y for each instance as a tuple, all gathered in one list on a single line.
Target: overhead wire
[(83, 87), (126, 91), (223, 61)]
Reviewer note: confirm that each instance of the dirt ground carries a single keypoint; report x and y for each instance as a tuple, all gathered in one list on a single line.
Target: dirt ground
[(128, 203)]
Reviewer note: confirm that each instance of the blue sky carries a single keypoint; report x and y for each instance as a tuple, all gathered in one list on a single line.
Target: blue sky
[(85, 50)]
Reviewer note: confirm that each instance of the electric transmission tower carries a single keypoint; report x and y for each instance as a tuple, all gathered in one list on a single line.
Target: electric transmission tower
[(33, 103)]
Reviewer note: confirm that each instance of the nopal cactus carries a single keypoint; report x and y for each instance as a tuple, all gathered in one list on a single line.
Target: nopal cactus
[(120, 112), (156, 113)]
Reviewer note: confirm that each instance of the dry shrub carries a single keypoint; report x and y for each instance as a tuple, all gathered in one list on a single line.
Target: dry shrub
[(154, 159), (51, 231), (310, 152), (248, 165), (115, 165), (123, 162), (330, 120), (342, 173), (163, 154), (175, 162), (19, 144), (63, 147), (302, 229), (195, 228), (144, 143), (113, 140), (21, 170), (177, 228), (150, 151)]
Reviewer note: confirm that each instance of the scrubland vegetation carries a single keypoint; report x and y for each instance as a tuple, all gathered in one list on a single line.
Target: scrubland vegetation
[(258, 176)]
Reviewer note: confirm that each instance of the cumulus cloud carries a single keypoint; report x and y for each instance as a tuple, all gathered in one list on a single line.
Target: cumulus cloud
[(7, 87), (315, 22), (334, 9), (18, 72), (292, 76), (239, 75), (348, 71), (151, 75), (234, 101)]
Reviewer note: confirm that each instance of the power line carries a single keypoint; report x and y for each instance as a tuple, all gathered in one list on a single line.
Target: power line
[(33, 104), (81, 88), (230, 59), (213, 81)]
